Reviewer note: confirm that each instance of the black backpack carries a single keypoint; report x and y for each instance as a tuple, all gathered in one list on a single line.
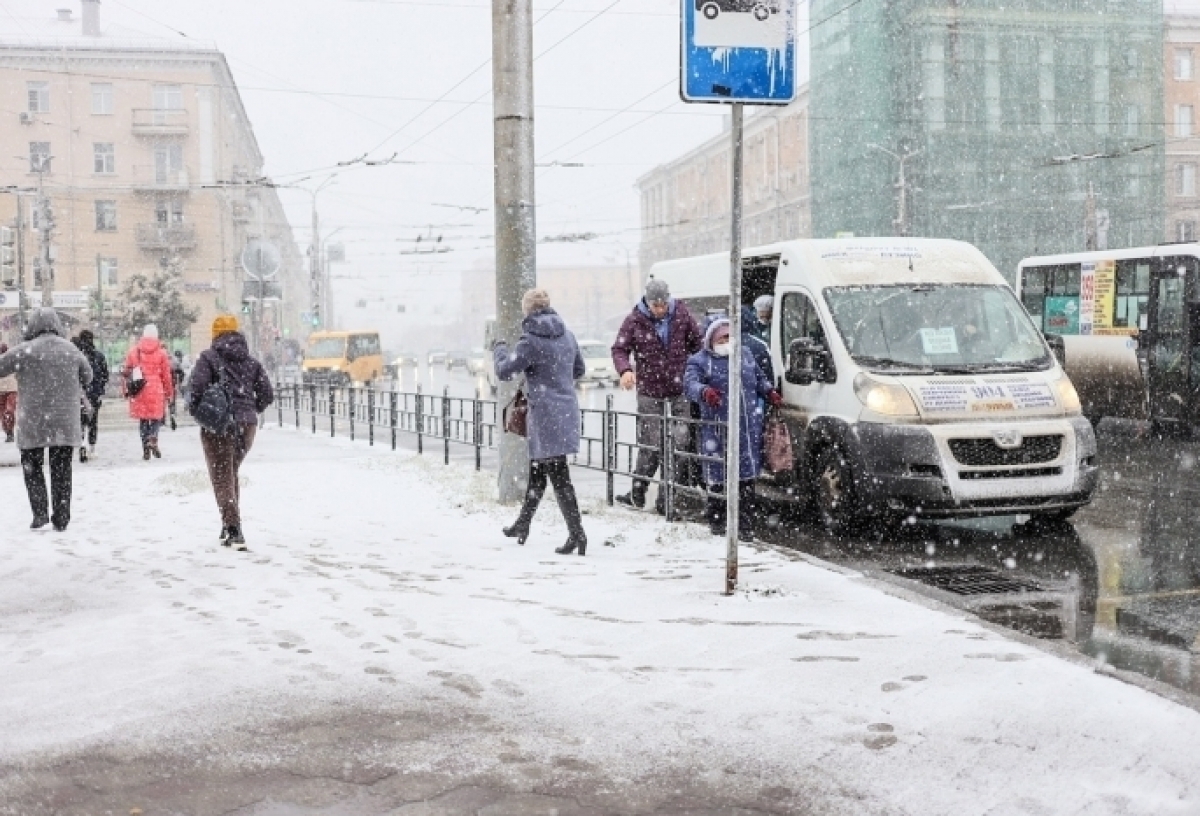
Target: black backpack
[(214, 410)]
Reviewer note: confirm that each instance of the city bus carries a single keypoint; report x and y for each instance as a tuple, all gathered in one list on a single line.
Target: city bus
[(1133, 318)]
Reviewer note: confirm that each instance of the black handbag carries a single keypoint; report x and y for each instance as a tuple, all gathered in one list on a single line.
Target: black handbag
[(133, 386)]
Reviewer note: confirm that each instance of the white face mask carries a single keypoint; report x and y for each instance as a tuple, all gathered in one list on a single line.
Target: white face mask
[(721, 349)]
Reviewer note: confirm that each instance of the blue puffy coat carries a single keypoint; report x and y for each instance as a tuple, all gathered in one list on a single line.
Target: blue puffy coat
[(549, 357), (707, 370)]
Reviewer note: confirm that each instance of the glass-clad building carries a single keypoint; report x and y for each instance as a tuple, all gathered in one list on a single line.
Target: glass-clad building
[(1027, 127)]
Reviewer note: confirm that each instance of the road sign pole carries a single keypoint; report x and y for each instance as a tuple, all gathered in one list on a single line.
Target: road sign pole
[(733, 435), (512, 101)]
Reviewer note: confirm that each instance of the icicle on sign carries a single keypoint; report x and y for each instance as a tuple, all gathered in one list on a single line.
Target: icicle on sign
[(739, 51)]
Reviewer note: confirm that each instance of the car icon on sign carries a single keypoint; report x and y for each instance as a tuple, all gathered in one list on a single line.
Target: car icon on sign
[(762, 9)]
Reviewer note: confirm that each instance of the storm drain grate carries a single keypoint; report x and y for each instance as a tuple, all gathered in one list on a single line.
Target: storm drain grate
[(967, 580)]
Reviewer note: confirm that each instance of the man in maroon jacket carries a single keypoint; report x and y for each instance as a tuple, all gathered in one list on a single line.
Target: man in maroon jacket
[(655, 340)]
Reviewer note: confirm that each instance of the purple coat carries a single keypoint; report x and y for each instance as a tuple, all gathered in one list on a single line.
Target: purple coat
[(659, 367), (249, 388)]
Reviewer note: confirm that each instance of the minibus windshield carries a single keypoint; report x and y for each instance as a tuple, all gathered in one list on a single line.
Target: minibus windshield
[(927, 328), (327, 348)]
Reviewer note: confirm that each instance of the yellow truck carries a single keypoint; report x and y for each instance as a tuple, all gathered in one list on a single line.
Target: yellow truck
[(342, 358)]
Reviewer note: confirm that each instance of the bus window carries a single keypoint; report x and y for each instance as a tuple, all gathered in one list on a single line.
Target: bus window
[(1133, 294), (1033, 293)]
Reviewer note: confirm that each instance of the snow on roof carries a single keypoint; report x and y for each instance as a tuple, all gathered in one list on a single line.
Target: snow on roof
[(40, 26)]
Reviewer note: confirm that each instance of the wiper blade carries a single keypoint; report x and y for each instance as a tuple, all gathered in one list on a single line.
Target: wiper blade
[(898, 365), (990, 368)]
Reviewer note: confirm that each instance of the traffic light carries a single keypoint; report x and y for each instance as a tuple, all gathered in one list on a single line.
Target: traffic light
[(8, 256)]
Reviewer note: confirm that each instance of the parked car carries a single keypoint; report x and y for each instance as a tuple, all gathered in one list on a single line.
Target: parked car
[(401, 361), (457, 359), (477, 361), (436, 357), (597, 357)]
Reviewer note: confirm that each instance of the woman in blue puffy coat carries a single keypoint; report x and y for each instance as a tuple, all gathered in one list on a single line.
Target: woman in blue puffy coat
[(706, 383), (550, 361)]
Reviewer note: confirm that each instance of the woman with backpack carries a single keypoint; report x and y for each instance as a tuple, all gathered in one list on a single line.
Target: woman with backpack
[(149, 387), (229, 389)]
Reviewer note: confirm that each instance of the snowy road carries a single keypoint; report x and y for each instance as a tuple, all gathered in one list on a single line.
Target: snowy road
[(382, 649)]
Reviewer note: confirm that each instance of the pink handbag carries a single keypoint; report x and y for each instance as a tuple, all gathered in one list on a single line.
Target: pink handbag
[(777, 444)]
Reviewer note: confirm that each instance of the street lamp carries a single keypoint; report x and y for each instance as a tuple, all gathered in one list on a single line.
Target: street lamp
[(900, 224)]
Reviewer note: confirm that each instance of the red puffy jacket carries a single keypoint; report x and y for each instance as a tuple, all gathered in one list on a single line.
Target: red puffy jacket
[(151, 403)]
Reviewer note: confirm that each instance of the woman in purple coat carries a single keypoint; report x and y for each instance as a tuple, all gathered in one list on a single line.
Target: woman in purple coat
[(549, 358)]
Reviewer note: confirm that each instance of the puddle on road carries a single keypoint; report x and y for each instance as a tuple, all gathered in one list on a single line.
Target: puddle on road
[(1121, 581)]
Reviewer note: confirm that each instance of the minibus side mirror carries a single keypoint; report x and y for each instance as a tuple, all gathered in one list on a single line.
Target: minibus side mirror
[(808, 362)]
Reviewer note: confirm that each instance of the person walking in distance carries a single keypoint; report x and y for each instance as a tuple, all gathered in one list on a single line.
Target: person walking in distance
[(8, 401), (148, 362), (549, 358), (51, 374), (93, 394), (228, 364), (650, 353), (707, 384)]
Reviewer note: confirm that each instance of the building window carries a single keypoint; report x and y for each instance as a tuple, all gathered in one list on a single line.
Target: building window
[(106, 216), (39, 157), (104, 158), (1183, 64), (1133, 120), (168, 212), (1185, 180), (39, 96), (1183, 120), (102, 98), (107, 269), (1185, 231), (168, 163), (168, 97)]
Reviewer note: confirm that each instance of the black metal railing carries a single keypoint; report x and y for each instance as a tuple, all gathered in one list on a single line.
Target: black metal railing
[(608, 437)]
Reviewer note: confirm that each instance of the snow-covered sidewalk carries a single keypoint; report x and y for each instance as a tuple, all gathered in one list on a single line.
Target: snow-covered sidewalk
[(380, 580)]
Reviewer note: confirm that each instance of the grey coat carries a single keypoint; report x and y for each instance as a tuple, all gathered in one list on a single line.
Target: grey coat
[(50, 375), (549, 357)]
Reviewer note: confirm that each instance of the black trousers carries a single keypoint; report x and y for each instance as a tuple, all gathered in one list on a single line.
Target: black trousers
[(558, 473), (91, 422), (33, 463)]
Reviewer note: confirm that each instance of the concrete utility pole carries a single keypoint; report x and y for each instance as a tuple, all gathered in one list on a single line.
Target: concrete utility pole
[(1091, 231), (22, 303), (516, 250), (900, 225), (45, 234)]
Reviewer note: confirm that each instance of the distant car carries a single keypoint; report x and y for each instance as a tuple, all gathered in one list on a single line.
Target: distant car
[(400, 362), (436, 357), (457, 359), (597, 358), (477, 361), (762, 9)]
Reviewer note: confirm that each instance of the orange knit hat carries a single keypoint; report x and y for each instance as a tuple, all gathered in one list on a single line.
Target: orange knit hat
[(224, 324)]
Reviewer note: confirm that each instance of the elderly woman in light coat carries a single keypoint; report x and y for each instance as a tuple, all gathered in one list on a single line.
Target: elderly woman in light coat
[(549, 358), (51, 374)]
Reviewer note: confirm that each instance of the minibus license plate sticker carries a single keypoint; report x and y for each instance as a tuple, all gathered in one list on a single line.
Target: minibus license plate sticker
[(939, 341), (986, 406), (1029, 396), (944, 398)]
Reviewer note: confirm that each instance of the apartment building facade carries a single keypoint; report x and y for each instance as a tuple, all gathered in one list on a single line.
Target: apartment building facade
[(1181, 95), (685, 204), (145, 153)]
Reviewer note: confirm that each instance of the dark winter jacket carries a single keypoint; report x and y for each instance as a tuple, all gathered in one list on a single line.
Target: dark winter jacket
[(51, 374), (659, 365), (549, 357), (95, 389), (707, 370), (246, 380)]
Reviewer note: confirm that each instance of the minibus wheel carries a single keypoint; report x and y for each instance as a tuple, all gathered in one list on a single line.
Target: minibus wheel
[(833, 490)]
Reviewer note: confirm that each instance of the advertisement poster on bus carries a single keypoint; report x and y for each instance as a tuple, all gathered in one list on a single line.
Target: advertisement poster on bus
[(1062, 315)]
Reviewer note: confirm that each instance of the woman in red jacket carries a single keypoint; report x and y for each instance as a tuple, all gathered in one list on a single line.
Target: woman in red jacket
[(148, 407)]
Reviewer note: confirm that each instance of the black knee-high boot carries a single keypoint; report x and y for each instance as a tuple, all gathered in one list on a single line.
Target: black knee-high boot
[(569, 503), (533, 497)]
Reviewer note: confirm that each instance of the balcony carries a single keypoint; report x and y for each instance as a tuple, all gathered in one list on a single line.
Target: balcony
[(153, 178), (153, 122), (162, 237)]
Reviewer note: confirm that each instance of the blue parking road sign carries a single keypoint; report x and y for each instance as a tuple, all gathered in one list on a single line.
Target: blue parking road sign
[(739, 51)]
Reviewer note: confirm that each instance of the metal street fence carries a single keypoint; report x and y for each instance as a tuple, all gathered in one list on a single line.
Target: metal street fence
[(608, 437)]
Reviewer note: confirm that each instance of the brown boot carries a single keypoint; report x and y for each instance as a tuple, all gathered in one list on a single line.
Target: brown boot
[(146, 451), (154, 448)]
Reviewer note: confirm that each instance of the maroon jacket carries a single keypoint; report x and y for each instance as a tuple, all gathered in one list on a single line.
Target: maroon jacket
[(659, 368)]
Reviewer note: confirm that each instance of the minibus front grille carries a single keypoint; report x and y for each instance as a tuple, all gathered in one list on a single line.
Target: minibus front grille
[(1024, 473), (1033, 450)]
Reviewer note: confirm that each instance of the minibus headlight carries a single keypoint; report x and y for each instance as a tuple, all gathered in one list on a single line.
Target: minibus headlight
[(884, 398), (1068, 397)]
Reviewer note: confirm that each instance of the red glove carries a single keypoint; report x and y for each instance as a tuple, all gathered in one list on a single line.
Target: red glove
[(775, 398), (712, 396)]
